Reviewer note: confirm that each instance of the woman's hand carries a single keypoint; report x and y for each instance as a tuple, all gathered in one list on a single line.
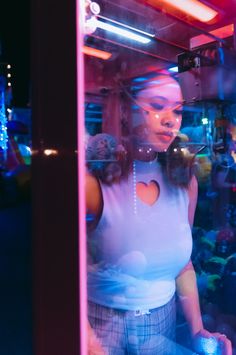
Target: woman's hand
[(94, 345), (212, 343)]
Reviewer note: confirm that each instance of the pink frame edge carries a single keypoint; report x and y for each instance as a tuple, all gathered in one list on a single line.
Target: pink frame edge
[(81, 179)]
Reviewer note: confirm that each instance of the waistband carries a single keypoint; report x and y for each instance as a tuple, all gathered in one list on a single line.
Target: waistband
[(137, 312)]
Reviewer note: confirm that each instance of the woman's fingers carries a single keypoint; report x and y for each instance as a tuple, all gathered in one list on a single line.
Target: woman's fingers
[(224, 343), (205, 340)]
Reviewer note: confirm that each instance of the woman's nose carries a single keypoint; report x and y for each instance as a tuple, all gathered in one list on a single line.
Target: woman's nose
[(167, 120)]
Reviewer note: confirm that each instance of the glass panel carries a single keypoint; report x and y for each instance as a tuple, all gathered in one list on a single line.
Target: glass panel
[(160, 182)]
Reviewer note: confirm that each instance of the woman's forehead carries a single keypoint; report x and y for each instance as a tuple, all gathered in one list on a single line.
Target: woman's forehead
[(166, 90)]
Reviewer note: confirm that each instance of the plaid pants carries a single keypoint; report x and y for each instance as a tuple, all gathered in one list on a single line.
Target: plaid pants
[(123, 332)]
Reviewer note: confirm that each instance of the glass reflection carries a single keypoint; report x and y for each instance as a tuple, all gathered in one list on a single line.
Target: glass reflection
[(144, 174)]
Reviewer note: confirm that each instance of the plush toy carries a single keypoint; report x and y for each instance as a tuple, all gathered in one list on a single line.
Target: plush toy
[(100, 147), (203, 169), (231, 215), (102, 155), (215, 266), (203, 250), (225, 242), (229, 286), (211, 235)]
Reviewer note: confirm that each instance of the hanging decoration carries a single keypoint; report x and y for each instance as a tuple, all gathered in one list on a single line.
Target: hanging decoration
[(3, 117)]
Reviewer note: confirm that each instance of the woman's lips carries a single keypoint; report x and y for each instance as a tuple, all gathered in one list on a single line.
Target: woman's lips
[(165, 136)]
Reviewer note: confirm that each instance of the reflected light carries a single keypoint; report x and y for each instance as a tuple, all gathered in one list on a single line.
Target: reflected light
[(49, 152), (208, 346), (173, 70), (204, 121), (194, 8), (96, 52), (123, 32), (139, 79), (222, 32)]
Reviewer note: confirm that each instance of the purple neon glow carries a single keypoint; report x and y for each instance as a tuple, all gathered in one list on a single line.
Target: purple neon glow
[(81, 178)]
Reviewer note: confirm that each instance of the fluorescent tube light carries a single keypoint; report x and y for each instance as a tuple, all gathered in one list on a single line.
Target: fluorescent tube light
[(123, 32), (194, 8), (96, 52)]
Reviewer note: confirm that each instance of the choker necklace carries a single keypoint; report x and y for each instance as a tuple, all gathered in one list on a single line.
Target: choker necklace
[(145, 154)]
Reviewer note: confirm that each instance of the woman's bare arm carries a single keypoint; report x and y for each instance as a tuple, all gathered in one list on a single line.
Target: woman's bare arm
[(186, 281), (93, 201)]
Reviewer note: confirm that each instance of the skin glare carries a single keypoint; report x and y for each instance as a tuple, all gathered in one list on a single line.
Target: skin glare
[(161, 113)]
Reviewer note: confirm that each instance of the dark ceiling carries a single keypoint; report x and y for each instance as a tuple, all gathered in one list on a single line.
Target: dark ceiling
[(15, 46)]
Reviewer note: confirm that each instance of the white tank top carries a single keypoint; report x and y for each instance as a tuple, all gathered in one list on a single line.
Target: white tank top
[(138, 248)]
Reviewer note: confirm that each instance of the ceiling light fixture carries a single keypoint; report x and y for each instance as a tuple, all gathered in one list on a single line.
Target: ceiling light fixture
[(194, 8), (125, 31)]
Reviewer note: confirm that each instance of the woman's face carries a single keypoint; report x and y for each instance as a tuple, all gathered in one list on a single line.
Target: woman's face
[(161, 105)]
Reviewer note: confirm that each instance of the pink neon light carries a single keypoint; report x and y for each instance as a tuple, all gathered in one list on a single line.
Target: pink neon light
[(194, 8), (81, 177)]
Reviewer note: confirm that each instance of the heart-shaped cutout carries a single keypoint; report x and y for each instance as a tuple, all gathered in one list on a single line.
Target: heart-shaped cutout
[(148, 193)]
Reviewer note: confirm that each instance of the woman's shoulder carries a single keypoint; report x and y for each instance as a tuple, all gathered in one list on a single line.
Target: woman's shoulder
[(93, 194)]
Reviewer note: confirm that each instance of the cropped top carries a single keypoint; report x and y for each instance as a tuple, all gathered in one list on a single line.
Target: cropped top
[(141, 243)]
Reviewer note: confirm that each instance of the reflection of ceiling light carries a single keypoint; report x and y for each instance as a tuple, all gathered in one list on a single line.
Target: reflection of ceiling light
[(173, 69), (222, 32), (139, 79), (130, 33), (194, 8), (204, 120), (96, 52)]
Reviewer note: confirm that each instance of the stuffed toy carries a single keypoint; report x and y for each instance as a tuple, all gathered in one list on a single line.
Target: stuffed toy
[(102, 155)]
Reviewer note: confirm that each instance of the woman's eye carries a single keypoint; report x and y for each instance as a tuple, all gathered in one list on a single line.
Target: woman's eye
[(178, 111), (156, 106)]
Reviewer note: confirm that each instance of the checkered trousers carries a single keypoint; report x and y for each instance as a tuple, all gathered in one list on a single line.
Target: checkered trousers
[(124, 332)]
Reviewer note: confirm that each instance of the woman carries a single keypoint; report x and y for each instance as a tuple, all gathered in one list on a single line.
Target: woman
[(140, 244)]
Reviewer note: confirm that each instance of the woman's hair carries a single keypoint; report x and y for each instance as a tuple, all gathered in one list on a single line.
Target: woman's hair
[(177, 164)]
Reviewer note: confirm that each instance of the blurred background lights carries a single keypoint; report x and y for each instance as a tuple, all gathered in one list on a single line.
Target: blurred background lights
[(173, 69), (205, 121), (49, 152)]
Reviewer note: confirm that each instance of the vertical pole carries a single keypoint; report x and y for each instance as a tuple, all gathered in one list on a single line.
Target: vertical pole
[(54, 178)]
